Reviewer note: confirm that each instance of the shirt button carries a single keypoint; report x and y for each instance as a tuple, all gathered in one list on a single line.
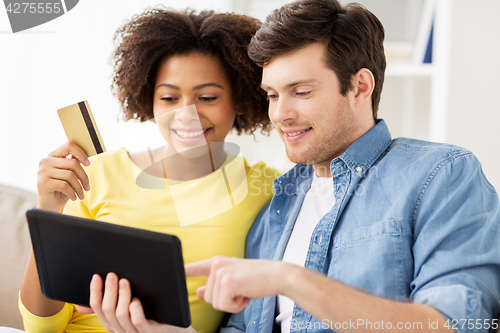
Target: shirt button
[(359, 169), (278, 211), (318, 238)]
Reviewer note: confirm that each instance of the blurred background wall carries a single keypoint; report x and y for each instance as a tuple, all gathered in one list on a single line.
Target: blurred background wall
[(453, 99)]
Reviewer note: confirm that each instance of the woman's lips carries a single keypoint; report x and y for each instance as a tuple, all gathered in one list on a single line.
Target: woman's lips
[(190, 136)]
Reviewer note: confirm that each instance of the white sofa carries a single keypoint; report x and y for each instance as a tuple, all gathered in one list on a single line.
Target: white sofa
[(15, 246)]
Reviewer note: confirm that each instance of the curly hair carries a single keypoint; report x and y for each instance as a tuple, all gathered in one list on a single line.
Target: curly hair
[(148, 38)]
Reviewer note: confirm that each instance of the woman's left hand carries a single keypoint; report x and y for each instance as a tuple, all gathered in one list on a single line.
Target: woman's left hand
[(118, 312)]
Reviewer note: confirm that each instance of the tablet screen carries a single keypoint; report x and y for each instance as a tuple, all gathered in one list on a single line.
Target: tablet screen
[(70, 250)]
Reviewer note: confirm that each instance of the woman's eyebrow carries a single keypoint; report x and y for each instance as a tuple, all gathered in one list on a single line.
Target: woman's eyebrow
[(168, 86), (211, 84), (198, 87)]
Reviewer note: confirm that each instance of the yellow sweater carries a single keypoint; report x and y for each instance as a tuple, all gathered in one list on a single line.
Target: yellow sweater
[(175, 208)]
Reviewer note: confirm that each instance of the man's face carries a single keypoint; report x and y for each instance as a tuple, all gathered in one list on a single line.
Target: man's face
[(315, 122)]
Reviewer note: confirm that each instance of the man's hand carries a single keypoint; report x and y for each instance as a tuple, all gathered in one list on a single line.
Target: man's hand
[(117, 310), (233, 282)]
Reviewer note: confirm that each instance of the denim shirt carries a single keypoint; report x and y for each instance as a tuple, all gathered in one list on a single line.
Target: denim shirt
[(412, 221)]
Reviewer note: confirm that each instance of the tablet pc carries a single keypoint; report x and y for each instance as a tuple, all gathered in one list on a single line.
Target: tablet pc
[(70, 250)]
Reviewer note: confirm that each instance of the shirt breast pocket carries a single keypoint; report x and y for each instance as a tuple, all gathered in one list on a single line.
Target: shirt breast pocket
[(371, 258)]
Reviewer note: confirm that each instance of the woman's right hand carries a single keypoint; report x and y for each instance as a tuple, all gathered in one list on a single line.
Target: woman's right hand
[(61, 178)]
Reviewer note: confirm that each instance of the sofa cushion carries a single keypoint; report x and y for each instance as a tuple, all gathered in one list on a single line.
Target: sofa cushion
[(15, 246)]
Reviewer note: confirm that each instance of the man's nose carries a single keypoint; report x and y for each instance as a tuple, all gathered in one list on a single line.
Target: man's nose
[(282, 110)]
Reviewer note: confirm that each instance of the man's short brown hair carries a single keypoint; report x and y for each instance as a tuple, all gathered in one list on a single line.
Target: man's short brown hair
[(352, 35)]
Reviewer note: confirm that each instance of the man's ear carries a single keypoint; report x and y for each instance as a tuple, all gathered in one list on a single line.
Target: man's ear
[(363, 82)]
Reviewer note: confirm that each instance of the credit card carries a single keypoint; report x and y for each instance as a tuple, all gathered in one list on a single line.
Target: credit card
[(80, 128)]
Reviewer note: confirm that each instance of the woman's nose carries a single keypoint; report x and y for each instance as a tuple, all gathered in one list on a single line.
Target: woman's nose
[(187, 113)]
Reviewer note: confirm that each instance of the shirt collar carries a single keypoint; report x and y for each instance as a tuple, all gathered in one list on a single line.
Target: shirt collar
[(359, 157)]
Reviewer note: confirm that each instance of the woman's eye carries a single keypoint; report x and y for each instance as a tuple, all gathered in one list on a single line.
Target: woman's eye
[(169, 99), (208, 99), (303, 93), (272, 97)]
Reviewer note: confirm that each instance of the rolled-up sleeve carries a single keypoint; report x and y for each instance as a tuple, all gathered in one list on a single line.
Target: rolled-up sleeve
[(457, 245)]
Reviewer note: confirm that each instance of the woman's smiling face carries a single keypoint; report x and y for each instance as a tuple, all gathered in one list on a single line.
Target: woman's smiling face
[(193, 104)]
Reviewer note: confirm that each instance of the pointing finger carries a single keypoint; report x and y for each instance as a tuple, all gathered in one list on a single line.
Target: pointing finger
[(199, 268)]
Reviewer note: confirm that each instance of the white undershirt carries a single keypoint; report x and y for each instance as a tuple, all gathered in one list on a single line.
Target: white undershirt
[(318, 201)]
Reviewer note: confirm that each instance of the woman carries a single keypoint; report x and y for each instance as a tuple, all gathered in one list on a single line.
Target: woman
[(190, 74)]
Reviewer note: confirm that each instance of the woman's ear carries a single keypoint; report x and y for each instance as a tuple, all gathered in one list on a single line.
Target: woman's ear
[(363, 82)]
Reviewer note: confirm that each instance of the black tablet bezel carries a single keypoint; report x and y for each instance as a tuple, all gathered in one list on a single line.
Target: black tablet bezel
[(69, 250)]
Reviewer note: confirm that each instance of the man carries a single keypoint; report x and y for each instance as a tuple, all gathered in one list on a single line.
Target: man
[(393, 234), (366, 233)]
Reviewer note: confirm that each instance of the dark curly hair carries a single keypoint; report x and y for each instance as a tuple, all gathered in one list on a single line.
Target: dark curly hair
[(148, 38)]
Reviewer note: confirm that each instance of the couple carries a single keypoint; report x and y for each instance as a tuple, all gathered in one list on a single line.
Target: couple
[(364, 233)]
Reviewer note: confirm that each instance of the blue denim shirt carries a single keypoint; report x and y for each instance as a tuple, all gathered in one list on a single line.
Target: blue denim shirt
[(412, 220)]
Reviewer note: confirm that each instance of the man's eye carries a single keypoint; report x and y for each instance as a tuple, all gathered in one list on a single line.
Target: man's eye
[(303, 93), (208, 99)]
